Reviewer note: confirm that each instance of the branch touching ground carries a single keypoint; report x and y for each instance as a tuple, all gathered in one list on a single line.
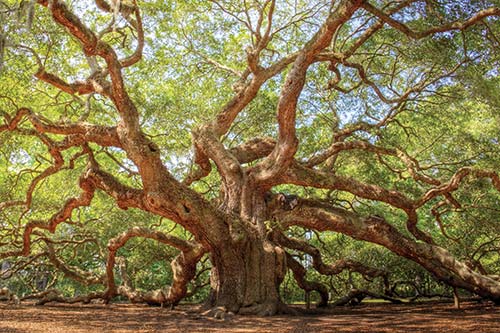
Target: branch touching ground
[(299, 273), (375, 229), (183, 267), (329, 269)]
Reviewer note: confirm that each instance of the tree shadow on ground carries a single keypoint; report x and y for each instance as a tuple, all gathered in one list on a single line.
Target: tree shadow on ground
[(125, 318)]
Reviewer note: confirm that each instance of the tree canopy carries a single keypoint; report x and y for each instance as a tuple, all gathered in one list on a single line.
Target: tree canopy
[(161, 150)]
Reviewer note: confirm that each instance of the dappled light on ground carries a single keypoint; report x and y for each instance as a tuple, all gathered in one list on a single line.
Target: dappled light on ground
[(426, 317)]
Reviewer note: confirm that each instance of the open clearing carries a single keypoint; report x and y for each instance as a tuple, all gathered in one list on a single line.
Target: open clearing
[(423, 317)]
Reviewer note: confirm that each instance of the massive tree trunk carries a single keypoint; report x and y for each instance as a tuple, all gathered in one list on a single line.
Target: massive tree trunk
[(247, 271), (245, 277)]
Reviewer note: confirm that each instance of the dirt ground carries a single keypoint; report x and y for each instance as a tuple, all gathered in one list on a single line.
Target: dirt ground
[(127, 318)]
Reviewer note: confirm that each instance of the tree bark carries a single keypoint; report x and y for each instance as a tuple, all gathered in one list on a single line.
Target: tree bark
[(245, 278), (437, 260)]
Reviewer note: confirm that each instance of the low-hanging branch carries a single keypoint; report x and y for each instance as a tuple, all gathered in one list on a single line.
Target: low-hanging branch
[(376, 229), (329, 269), (183, 267), (299, 273)]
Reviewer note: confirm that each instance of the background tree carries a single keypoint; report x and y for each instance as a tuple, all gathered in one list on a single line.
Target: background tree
[(251, 133)]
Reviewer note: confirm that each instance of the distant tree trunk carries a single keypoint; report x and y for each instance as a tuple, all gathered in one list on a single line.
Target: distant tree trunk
[(42, 283), (307, 299), (456, 298), (4, 270)]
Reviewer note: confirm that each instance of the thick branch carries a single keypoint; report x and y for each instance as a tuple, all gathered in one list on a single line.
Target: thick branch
[(301, 175), (285, 149), (105, 136), (53, 295), (299, 273), (183, 266), (375, 229), (329, 269), (253, 149), (73, 272), (454, 183), (124, 195), (62, 215), (456, 25)]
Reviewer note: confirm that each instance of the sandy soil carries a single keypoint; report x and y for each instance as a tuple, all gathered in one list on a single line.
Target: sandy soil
[(127, 318)]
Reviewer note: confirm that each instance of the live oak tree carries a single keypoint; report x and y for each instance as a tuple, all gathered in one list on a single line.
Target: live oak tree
[(241, 121)]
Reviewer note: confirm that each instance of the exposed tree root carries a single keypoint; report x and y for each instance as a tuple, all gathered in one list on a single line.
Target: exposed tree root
[(264, 310), (219, 312), (287, 310)]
